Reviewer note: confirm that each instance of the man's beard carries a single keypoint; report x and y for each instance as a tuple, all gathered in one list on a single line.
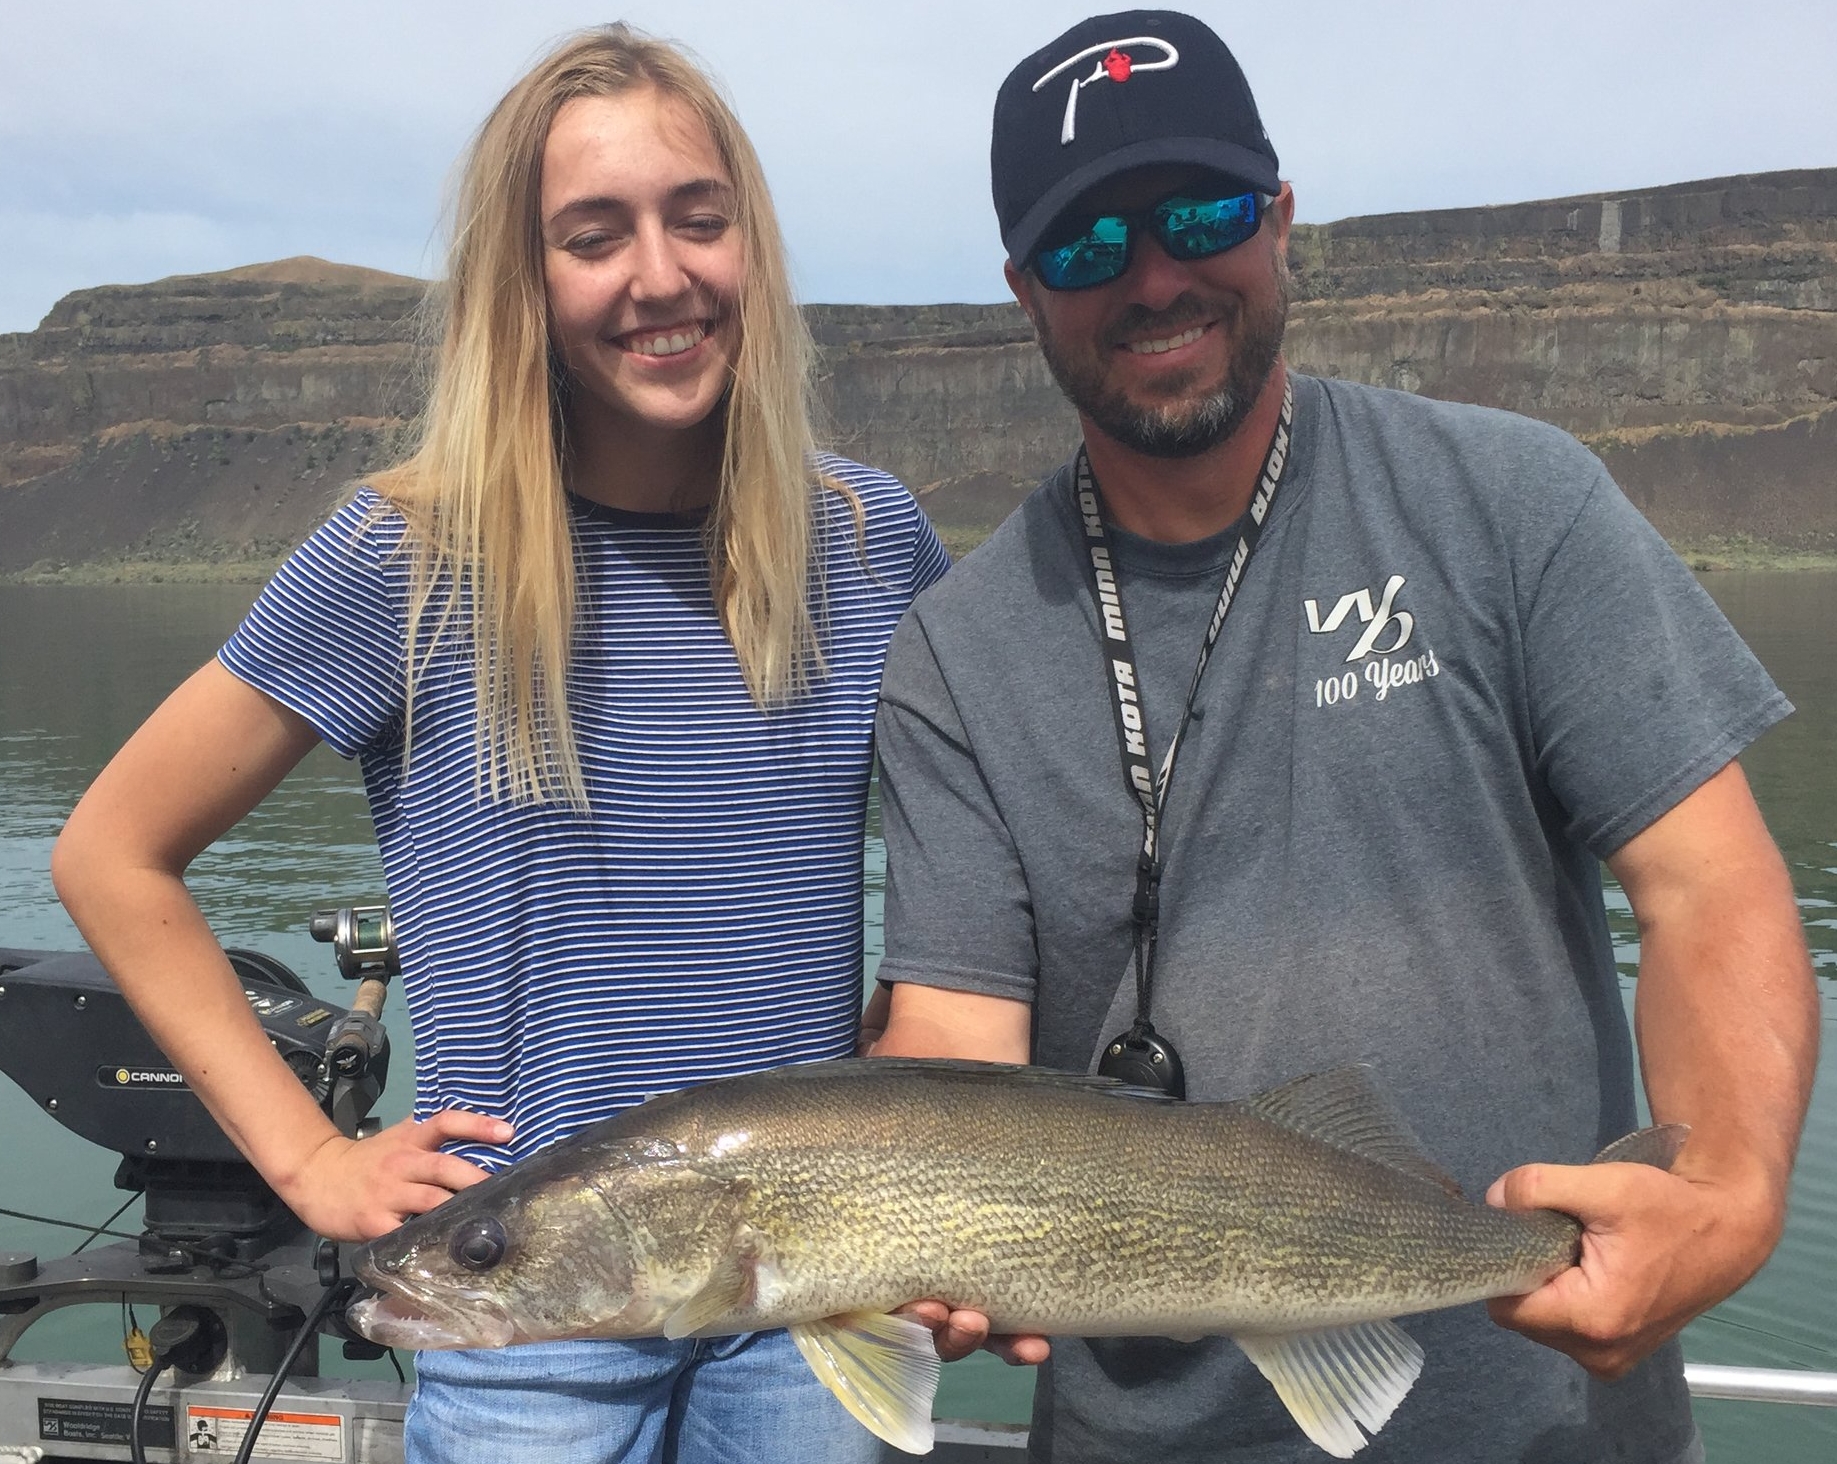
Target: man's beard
[(1181, 428)]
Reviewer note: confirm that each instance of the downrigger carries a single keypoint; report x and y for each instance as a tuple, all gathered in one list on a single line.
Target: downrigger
[(242, 1290)]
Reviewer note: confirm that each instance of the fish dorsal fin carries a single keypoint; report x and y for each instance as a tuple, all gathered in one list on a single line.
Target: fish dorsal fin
[(1345, 1108), (1006, 1074), (1335, 1381), (884, 1369)]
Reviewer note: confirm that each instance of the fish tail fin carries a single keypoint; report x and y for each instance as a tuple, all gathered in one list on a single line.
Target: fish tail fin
[(1658, 1146), (1342, 1384), (884, 1369)]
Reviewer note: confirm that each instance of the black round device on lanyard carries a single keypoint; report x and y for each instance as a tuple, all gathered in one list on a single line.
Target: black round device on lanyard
[(1141, 1056), (1143, 1059)]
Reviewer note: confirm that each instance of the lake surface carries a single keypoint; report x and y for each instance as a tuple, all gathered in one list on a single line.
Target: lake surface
[(81, 666)]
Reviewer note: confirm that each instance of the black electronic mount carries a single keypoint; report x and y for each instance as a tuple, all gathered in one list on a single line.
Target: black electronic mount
[(234, 1274)]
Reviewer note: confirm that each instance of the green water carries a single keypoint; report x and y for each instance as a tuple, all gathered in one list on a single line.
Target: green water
[(80, 667)]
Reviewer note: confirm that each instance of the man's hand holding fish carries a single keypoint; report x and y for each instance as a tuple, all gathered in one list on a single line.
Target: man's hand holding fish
[(1659, 1249)]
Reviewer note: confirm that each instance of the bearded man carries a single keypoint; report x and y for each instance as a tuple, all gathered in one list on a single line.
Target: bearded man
[(1425, 669)]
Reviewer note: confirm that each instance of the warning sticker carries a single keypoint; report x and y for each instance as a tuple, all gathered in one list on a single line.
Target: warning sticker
[(212, 1430), (88, 1421)]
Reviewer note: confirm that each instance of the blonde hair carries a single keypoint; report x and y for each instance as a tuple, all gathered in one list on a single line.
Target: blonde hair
[(490, 539)]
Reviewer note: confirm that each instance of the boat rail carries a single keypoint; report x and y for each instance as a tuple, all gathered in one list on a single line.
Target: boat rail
[(373, 1411), (1761, 1384), (964, 1442)]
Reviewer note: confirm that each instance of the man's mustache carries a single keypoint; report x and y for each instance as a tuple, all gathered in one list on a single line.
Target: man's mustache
[(1139, 321)]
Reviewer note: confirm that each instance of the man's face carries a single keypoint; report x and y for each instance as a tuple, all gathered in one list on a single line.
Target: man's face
[(1169, 357)]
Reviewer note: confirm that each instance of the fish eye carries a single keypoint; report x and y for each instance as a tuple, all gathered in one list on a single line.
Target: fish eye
[(479, 1244)]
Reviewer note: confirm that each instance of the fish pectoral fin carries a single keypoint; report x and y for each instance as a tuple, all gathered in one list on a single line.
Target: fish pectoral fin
[(728, 1289), (1335, 1380), (884, 1369)]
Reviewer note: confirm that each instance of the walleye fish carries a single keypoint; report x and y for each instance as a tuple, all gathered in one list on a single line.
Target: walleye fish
[(819, 1198)]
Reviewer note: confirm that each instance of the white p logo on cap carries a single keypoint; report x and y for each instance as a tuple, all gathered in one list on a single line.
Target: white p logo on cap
[(1114, 62)]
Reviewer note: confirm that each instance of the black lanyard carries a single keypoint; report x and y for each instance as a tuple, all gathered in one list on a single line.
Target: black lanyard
[(1149, 788)]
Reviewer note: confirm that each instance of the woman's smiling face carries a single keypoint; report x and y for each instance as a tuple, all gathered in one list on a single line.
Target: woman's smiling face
[(642, 262)]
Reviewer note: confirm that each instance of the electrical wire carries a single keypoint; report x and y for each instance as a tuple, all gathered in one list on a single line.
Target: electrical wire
[(336, 1294), (94, 1230), (231, 1270), (103, 1227), (137, 1450)]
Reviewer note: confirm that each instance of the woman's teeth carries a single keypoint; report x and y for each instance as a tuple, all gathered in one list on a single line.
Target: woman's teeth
[(672, 343), (1155, 348)]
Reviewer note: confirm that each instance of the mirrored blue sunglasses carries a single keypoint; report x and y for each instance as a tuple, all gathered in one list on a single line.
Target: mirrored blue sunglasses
[(1097, 250)]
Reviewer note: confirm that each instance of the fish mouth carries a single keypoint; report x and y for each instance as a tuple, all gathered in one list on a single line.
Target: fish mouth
[(397, 1320)]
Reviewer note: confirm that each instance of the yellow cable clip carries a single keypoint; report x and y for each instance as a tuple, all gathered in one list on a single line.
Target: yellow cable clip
[(140, 1350)]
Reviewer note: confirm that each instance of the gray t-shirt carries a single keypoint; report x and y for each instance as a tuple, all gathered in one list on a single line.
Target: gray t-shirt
[(1460, 669)]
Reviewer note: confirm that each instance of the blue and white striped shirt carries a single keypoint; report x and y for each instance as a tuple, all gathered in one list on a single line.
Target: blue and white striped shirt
[(703, 918)]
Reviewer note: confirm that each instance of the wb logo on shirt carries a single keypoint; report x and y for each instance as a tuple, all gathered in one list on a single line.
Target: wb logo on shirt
[(1377, 620)]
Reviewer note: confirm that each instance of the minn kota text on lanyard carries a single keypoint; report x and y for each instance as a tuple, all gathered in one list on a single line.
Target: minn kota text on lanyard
[(1140, 1055)]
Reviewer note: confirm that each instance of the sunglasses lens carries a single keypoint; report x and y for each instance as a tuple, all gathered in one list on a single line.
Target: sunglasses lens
[(1196, 228), (1099, 253), (1188, 228)]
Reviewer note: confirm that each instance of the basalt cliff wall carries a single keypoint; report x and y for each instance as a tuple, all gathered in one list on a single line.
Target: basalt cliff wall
[(1688, 333), (204, 416)]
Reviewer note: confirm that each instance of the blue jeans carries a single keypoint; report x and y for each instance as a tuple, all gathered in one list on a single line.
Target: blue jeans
[(716, 1400)]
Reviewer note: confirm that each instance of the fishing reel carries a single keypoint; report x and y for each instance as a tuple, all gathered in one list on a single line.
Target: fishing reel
[(69, 1039), (356, 1061)]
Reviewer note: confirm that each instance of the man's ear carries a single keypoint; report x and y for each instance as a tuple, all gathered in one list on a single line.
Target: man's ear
[(1021, 286), (1282, 213)]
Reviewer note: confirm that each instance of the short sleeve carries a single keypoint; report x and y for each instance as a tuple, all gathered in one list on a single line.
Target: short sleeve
[(325, 638), (903, 551), (1639, 689), (930, 559), (958, 913)]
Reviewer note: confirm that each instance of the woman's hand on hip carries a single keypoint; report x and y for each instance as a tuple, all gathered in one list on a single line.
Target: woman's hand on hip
[(358, 1189)]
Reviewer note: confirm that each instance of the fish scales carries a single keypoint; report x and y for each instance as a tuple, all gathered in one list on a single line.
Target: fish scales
[(1001, 1207)]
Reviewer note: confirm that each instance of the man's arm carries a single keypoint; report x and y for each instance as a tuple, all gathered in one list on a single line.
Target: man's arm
[(930, 1021), (957, 907), (1726, 1016)]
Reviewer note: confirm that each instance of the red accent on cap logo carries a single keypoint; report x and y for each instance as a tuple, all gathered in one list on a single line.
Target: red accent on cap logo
[(1115, 64)]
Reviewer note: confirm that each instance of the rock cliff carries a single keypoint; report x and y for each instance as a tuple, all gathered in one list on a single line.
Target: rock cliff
[(1688, 333)]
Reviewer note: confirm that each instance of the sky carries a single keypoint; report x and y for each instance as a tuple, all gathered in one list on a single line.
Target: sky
[(160, 137)]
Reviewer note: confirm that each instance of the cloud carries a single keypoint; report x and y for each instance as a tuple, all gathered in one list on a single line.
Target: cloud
[(331, 127)]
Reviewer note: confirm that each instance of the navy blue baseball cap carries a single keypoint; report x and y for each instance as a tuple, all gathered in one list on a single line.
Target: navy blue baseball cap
[(1114, 93)]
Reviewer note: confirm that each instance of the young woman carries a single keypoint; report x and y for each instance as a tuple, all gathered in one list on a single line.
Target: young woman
[(608, 647)]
